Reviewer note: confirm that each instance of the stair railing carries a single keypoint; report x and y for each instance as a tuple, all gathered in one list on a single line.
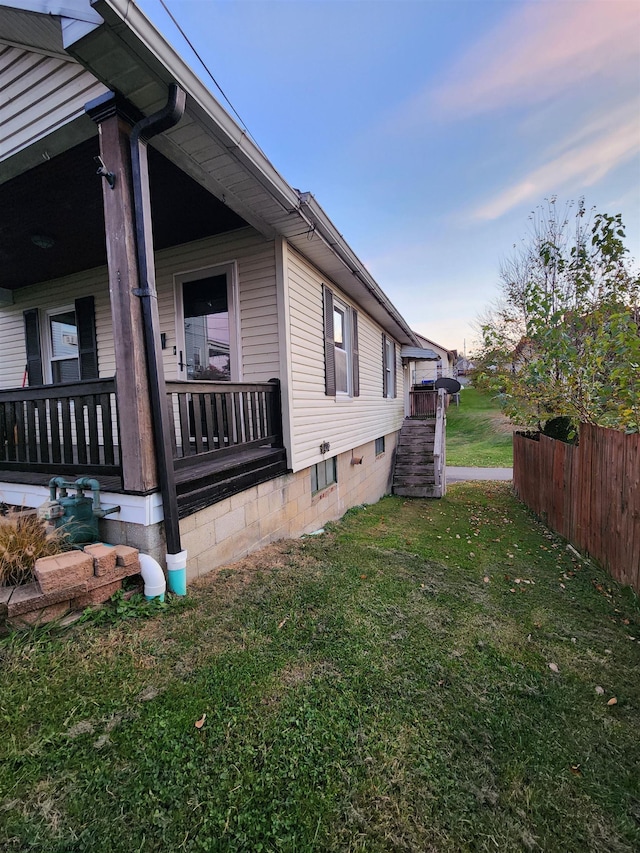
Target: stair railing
[(439, 446)]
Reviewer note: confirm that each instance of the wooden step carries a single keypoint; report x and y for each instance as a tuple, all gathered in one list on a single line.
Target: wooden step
[(416, 491)]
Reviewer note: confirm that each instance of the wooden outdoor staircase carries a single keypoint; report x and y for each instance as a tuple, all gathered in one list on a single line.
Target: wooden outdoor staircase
[(419, 470), (413, 474)]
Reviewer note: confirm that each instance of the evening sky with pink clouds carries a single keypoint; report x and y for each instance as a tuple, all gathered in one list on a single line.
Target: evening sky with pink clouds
[(430, 129)]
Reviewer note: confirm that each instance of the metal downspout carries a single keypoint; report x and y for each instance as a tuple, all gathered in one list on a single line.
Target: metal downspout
[(144, 130)]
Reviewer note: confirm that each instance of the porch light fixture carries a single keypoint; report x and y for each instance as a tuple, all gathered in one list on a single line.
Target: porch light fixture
[(43, 241), (103, 172)]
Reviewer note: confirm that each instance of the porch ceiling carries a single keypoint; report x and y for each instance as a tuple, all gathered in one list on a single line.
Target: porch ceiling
[(62, 200)]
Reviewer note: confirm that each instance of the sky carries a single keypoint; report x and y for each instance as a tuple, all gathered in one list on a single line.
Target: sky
[(429, 130)]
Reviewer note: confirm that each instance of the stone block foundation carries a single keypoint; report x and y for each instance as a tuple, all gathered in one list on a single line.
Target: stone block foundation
[(283, 508)]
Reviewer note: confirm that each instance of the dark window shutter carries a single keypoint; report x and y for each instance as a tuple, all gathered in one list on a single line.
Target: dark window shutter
[(395, 372), (384, 365), (355, 354), (87, 347), (329, 344), (32, 345)]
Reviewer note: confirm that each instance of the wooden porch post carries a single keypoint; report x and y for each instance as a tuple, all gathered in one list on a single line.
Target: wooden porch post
[(114, 120)]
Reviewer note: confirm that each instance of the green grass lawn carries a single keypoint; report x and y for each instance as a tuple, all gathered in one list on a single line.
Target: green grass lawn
[(425, 676), (477, 432)]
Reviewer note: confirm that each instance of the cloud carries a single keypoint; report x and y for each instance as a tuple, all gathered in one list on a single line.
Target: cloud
[(584, 162), (538, 51)]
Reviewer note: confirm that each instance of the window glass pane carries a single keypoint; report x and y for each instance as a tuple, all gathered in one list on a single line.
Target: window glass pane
[(65, 370), (390, 369), (341, 371), (206, 328), (338, 327), (64, 335), (330, 467), (323, 474)]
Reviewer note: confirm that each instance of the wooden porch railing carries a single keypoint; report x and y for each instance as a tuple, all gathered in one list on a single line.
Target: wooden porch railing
[(217, 418), (440, 445), (60, 429), (423, 402)]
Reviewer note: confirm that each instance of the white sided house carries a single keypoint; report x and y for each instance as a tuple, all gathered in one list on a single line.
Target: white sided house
[(176, 321), (443, 364)]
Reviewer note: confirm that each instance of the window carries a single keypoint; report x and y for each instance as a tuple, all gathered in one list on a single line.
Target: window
[(388, 367), (342, 375), (61, 344), (323, 474), (63, 338), (379, 446)]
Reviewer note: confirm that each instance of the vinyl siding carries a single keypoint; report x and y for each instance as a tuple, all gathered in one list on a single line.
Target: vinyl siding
[(344, 422), (40, 94), (255, 259), (54, 294)]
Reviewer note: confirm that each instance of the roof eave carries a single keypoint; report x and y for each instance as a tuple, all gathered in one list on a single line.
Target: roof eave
[(135, 30)]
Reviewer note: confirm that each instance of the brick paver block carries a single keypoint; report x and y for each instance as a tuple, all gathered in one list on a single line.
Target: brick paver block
[(96, 596), (44, 614), (125, 555), (63, 570), (104, 558)]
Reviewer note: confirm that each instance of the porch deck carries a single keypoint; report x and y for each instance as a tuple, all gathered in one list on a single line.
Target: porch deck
[(226, 438)]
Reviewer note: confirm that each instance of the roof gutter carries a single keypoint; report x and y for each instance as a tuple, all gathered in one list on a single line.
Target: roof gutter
[(324, 228)]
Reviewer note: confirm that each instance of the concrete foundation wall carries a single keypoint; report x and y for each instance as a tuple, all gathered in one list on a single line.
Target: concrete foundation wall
[(148, 539), (283, 508)]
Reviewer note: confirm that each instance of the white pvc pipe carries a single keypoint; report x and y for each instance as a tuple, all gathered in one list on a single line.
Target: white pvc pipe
[(155, 584)]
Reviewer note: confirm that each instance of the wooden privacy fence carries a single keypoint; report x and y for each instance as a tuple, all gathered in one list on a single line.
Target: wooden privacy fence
[(589, 493)]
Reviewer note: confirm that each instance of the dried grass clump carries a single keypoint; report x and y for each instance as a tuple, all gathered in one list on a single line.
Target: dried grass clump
[(23, 538)]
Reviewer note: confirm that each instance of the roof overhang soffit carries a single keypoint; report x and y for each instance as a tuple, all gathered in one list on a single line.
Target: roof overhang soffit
[(263, 198)]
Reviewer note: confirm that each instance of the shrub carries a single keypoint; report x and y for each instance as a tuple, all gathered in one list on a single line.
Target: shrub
[(23, 538)]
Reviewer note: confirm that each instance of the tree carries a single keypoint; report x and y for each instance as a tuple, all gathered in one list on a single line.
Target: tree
[(563, 340)]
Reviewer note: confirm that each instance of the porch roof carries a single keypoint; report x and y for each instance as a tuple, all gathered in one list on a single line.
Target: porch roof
[(115, 42), (419, 354)]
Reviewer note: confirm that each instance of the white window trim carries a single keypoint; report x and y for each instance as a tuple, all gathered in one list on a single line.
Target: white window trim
[(46, 344), (230, 269)]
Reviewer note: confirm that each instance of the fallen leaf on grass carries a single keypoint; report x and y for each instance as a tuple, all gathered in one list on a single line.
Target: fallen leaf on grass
[(283, 623), (575, 769), (600, 690), (612, 701), (485, 579), (200, 723), (553, 667)]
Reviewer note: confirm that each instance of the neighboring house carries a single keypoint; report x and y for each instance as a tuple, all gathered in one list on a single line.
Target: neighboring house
[(444, 363), (464, 366), (187, 258)]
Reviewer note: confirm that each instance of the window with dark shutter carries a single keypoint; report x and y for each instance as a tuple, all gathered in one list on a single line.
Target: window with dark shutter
[(69, 343), (388, 367), (32, 345), (87, 346), (341, 355), (329, 344), (355, 355)]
